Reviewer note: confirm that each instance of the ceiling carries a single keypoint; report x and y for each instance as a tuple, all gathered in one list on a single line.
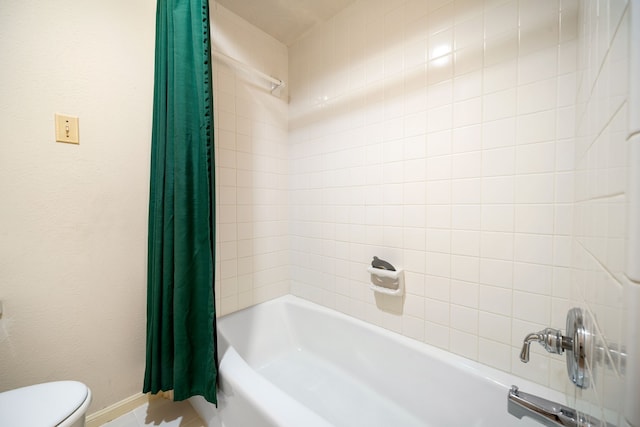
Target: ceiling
[(285, 20)]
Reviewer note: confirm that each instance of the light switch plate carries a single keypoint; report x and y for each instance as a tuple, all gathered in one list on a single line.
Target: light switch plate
[(67, 129)]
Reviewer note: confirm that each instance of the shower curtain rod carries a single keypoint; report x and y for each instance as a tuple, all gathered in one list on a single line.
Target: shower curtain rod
[(275, 83)]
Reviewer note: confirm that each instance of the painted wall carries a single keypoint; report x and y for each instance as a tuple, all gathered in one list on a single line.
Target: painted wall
[(73, 218), (251, 173)]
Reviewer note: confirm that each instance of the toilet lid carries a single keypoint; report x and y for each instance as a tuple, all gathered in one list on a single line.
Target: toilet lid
[(45, 405)]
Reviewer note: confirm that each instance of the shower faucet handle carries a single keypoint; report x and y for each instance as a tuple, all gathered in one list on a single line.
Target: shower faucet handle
[(578, 344), (551, 339)]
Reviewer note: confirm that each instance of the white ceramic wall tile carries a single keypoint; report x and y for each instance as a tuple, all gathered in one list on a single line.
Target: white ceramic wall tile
[(438, 192), (438, 144), (536, 370), (565, 150), (238, 117), (466, 217), (494, 327), (634, 67), (438, 240), (536, 127), (501, 19), (499, 105), (494, 354), (467, 86), (536, 188), (498, 162), (498, 190), (496, 272), (437, 287), (499, 133), (631, 410), (468, 60), (464, 319), (467, 165), (540, 65), (534, 219), (496, 245), (497, 218), (501, 48), (438, 264), (534, 278), (599, 184), (466, 191), (535, 158), (441, 16), (457, 160), (464, 344), (534, 248), (413, 327), (439, 119), (469, 33), (437, 311), (531, 307), (464, 293), (501, 76), (465, 268), (465, 242), (633, 211), (468, 112), (438, 216), (539, 25), (468, 138), (436, 335), (538, 96), (496, 300)]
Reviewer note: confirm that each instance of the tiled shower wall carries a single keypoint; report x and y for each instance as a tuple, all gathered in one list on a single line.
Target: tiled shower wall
[(439, 135), (251, 167), (601, 168)]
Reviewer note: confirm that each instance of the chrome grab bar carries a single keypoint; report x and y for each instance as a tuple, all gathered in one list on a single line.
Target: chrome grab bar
[(520, 404)]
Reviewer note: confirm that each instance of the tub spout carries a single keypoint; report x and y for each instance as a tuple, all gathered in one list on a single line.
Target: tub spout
[(546, 412)]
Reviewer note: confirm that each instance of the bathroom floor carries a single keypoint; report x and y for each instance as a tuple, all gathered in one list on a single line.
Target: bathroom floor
[(159, 412)]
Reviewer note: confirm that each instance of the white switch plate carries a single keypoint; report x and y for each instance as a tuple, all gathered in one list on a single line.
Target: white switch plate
[(67, 129)]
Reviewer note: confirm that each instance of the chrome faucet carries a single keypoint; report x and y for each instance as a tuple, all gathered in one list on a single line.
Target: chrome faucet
[(581, 348), (551, 339), (549, 413), (577, 343)]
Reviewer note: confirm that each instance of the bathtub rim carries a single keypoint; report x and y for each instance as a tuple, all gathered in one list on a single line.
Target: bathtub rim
[(489, 373), (501, 379)]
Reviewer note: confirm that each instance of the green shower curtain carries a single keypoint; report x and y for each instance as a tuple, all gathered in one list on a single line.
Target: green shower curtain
[(181, 337)]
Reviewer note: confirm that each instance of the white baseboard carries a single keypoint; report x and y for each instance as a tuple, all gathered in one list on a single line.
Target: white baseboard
[(116, 410)]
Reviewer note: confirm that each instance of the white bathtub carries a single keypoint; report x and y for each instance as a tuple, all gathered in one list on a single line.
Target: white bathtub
[(292, 363)]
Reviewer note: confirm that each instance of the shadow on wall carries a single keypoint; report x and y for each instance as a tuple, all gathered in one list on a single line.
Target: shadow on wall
[(432, 71)]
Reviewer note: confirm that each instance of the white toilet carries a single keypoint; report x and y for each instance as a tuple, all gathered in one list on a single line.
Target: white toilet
[(54, 404)]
